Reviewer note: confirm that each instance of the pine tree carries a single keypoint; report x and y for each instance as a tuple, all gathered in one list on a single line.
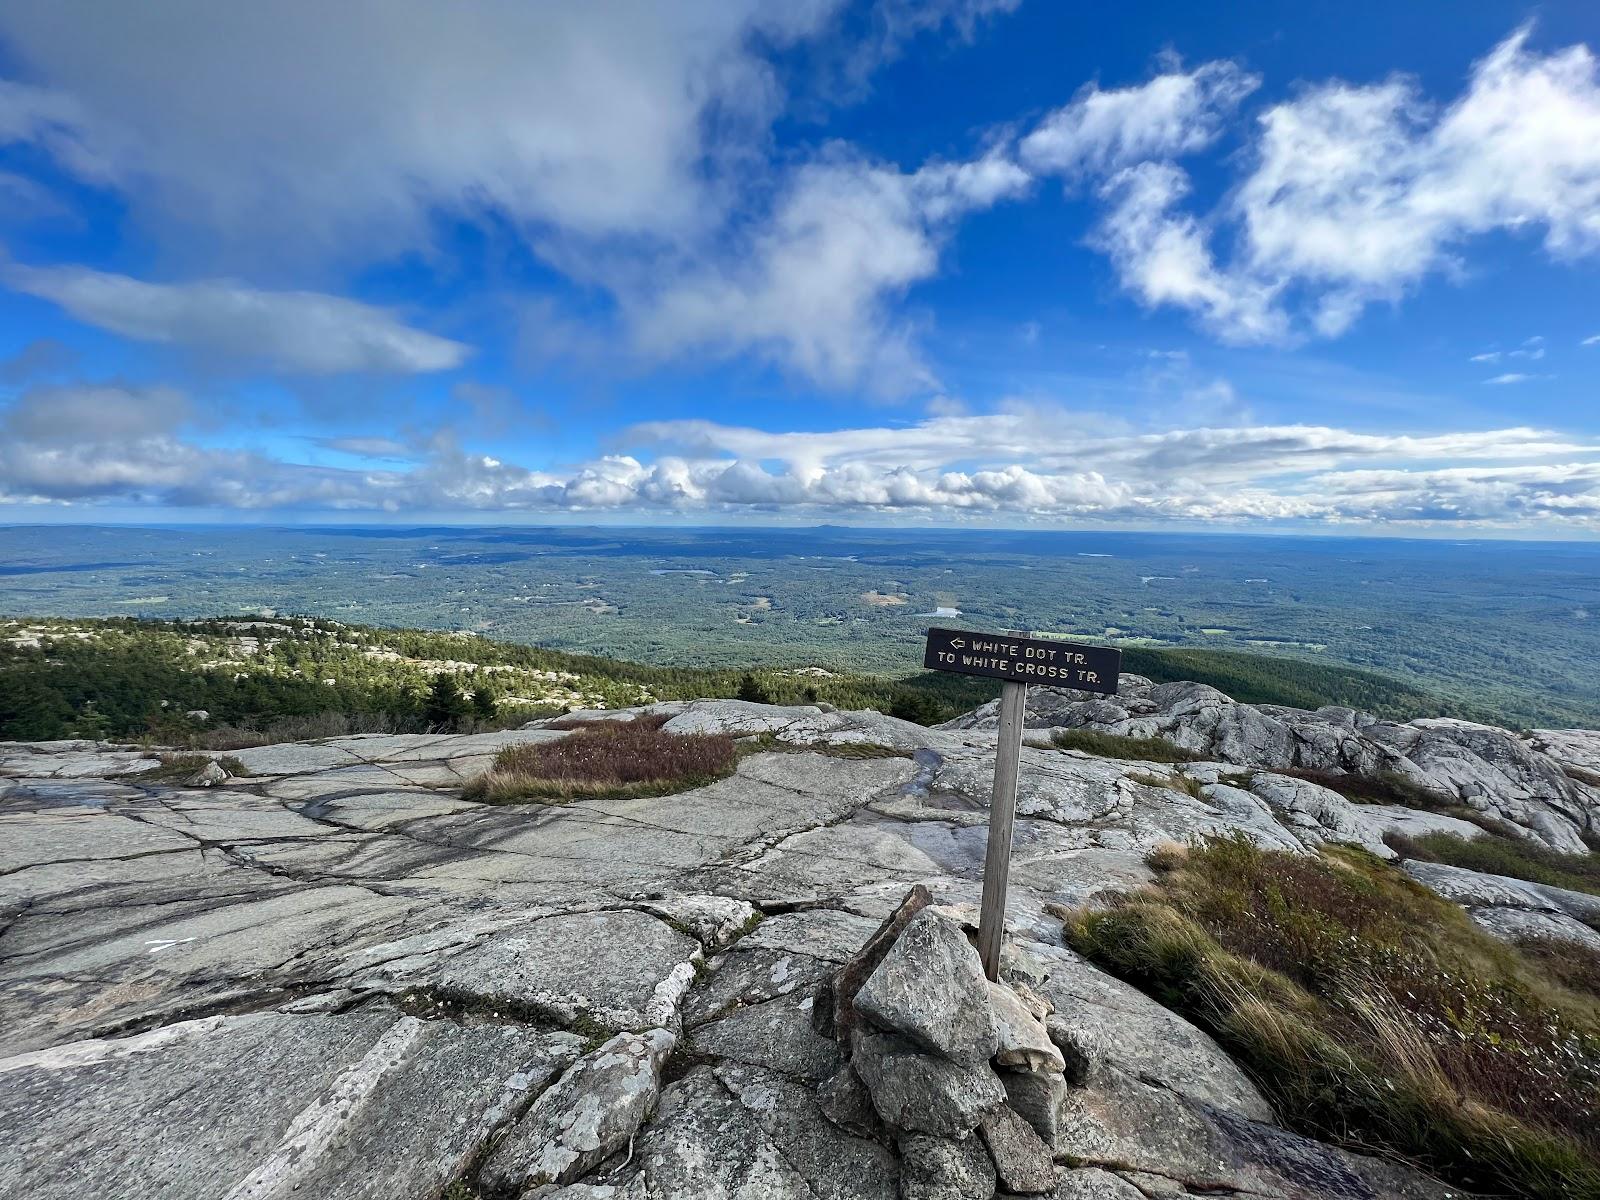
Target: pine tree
[(485, 704), (445, 704), (751, 690)]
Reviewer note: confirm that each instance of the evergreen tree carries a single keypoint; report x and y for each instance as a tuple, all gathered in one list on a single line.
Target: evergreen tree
[(751, 690), (485, 704), (445, 704)]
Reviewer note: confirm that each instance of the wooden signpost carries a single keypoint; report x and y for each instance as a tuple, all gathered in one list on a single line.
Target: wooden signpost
[(1018, 660)]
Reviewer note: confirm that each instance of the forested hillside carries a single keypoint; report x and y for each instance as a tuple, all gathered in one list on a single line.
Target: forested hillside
[(260, 679)]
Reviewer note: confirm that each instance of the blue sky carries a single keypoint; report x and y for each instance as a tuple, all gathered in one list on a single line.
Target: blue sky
[(1311, 266)]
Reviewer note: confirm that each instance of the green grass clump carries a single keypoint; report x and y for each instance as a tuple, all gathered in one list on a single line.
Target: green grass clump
[(1370, 1011), (606, 759), (1111, 745), (1497, 855)]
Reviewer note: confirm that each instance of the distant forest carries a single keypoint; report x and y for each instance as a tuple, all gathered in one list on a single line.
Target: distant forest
[(258, 679)]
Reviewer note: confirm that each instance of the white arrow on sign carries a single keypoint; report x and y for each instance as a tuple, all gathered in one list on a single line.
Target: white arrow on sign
[(956, 643)]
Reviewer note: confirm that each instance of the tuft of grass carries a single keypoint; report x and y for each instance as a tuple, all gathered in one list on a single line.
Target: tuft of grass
[(605, 759), (1574, 965), (176, 768), (1173, 783), (1370, 1011), (1495, 854), (1111, 745)]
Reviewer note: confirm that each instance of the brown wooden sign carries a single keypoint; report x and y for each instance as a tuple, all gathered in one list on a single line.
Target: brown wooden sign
[(1024, 659), (1019, 661)]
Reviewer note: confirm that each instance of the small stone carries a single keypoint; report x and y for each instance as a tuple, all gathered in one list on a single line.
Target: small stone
[(822, 1009), (1024, 1042), (1022, 1161), (847, 981), (845, 1101), (914, 1090), (936, 1168), (930, 987), (591, 1113), (208, 776), (1037, 1098)]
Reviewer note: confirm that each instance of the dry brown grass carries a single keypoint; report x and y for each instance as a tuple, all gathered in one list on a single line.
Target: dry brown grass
[(1371, 1011), (601, 759)]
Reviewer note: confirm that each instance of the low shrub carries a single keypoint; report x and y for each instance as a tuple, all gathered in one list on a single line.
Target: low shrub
[(1383, 787), (605, 758), (1370, 1011), (1497, 855), (1111, 745)]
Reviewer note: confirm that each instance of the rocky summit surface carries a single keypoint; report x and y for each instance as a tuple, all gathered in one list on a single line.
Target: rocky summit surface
[(334, 977)]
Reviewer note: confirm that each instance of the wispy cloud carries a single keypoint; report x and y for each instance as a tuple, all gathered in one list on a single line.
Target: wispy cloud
[(1355, 193), (1516, 377), (307, 332)]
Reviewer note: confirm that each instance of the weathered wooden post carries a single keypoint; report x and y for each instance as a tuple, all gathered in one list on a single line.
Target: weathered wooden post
[(1002, 812), (1018, 660)]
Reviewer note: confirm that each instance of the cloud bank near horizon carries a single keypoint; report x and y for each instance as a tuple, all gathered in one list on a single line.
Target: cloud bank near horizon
[(136, 447)]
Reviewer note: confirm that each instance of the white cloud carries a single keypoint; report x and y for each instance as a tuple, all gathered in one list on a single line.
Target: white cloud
[(1591, 341), (1175, 113), (1514, 377), (341, 129), (810, 287), (1355, 193), (628, 143), (1039, 464), (296, 331), (1163, 258)]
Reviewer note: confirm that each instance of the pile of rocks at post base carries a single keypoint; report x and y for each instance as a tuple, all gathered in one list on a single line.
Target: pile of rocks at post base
[(960, 1071)]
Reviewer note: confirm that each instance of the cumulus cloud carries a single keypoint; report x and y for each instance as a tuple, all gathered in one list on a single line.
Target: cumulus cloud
[(810, 287), (1176, 113), (128, 445), (1162, 256), (295, 331), (1354, 194)]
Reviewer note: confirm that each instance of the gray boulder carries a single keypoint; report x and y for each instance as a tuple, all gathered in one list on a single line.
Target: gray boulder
[(591, 1113), (916, 1091), (1021, 1159), (936, 1168), (930, 987)]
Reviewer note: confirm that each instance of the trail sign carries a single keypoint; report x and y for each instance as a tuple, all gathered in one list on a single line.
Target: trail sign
[(1018, 660), (1024, 659)]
